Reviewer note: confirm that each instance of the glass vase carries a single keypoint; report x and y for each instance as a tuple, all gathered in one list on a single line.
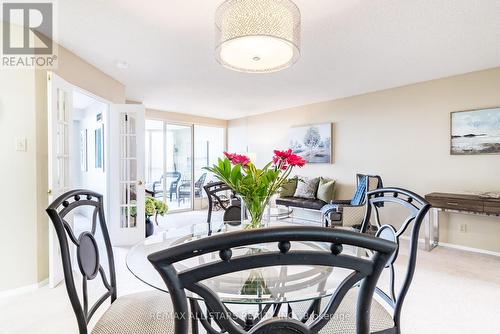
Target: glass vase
[(255, 206)]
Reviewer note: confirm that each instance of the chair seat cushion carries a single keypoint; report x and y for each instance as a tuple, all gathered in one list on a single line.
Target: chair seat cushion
[(306, 203), (344, 319), (147, 312)]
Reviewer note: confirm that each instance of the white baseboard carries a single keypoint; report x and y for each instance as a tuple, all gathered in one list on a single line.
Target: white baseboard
[(459, 247), (469, 249), (23, 289)]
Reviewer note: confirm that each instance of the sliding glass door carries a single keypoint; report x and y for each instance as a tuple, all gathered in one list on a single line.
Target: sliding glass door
[(179, 166), (209, 143), (155, 156), (175, 157)]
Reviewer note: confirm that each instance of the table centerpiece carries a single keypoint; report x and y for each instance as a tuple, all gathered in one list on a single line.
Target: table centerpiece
[(256, 186)]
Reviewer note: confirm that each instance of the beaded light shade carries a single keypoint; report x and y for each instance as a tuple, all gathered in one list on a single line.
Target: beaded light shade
[(257, 36)]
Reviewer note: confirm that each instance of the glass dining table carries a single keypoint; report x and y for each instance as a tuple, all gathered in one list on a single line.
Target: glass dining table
[(262, 287)]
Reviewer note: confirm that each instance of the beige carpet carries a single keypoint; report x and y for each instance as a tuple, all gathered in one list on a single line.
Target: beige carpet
[(452, 292)]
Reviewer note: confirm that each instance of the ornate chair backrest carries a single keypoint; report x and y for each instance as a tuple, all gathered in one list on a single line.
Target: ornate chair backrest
[(417, 208), (361, 270), (87, 252), (212, 189)]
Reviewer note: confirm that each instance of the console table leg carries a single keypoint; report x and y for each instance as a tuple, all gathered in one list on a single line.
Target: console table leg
[(431, 228), (435, 227), (427, 232)]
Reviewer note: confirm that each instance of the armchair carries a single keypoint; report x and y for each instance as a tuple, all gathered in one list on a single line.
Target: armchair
[(350, 213)]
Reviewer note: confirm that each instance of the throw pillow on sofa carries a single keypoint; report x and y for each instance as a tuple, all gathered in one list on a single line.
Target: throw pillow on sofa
[(326, 189), (288, 188), (307, 188)]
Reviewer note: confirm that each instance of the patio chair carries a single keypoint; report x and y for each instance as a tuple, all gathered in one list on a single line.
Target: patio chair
[(185, 188), (193, 279), (130, 314), (172, 183)]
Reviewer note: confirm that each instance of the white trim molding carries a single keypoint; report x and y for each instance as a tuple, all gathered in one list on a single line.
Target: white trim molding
[(469, 249), (23, 289), (459, 247)]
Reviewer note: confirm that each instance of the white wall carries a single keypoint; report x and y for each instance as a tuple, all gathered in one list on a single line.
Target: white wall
[(23, 113), (94, 178), (18, 242), (402, 134)]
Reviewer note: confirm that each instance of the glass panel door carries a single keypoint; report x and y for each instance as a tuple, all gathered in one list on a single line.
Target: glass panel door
[(60, 137), (155, 156), (126, 173), (178, 166), (209, 146)]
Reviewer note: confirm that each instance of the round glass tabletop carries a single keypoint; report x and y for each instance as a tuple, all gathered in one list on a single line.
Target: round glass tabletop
[(277, 284)]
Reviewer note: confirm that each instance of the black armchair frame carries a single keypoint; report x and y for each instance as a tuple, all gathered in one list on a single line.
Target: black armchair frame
[(87, 251), (418, 207), (366, 271)]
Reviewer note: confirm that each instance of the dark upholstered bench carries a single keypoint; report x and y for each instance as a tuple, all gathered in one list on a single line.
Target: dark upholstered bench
[(307, 204), (304, 203)]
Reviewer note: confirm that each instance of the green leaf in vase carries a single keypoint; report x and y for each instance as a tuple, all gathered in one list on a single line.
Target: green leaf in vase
[(255, 285)]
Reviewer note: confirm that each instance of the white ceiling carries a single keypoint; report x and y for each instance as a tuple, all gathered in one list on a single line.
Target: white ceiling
[(349, 47)]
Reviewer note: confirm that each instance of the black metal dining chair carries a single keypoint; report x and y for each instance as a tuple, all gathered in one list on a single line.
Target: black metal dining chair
[(130, 314), (362, 270), (414, 209), (217, 199)]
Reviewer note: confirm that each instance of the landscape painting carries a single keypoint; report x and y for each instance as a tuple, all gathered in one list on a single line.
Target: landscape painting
[(475, 131), (312, 142)]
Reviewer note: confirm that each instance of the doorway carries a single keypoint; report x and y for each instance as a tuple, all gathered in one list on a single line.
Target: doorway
[(96, 145), (88, 163)]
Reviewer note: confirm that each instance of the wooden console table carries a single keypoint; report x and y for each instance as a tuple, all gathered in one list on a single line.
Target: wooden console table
[(458, 203)]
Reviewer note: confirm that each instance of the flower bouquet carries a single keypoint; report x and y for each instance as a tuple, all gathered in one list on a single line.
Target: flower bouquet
[(256, 186)]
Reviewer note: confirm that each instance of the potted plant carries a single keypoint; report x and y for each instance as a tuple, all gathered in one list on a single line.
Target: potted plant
[(256, 186), (152, 207)]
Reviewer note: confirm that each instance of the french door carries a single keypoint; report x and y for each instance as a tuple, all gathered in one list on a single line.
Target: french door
[(123, 136), (60, 108), (126, 174)]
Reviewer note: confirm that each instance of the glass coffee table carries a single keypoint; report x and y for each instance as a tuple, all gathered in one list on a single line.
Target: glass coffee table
[(278, 213)]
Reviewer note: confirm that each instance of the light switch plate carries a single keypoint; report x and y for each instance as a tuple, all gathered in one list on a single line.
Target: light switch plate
[(21, 145)]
